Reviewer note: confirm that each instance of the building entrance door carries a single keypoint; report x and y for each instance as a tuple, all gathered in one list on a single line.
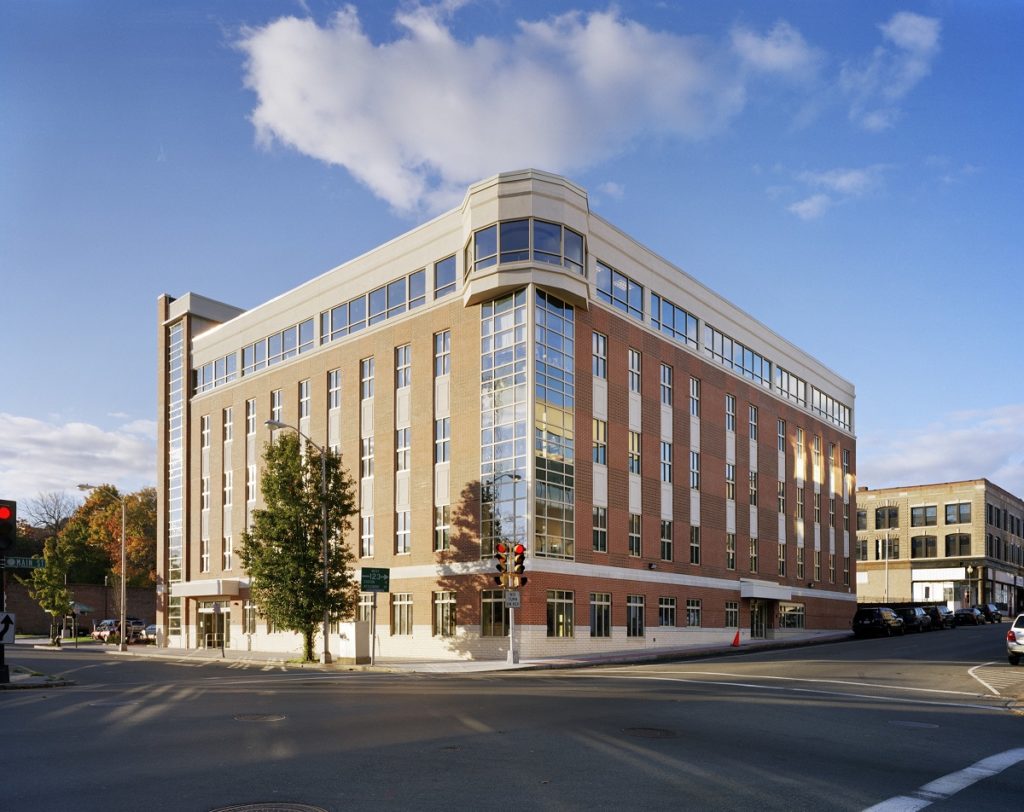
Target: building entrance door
[(213, 630), (758, 618)]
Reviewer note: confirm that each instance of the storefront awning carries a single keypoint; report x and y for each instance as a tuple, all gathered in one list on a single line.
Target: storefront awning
[(210, 587)]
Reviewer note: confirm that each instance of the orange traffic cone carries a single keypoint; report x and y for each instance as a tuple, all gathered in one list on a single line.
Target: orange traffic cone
[(736, 639)]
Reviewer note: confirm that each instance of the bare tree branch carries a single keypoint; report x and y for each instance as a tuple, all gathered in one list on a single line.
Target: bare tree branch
[(50, 511)]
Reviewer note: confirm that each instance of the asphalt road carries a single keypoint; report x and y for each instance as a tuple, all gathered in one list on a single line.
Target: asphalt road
[(925, 718)]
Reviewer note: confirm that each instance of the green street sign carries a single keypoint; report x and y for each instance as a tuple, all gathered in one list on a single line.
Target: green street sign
[(376, 579), (22, 563)]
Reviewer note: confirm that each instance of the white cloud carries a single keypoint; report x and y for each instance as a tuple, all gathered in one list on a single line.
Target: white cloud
[(811, 208), (877, 85), (42, 456), (782, 51), (850, 182), (612, 189), (966, 445), (418, 118)]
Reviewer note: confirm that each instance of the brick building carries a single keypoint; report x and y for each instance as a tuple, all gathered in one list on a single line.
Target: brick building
[(516, 370)]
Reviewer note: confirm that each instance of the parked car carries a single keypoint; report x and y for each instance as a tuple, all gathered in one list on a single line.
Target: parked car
[(103, 629), (915, 619), (1015, 641), (968, 616), (148, 635), (990, 612), (881, 620), (942, 617)]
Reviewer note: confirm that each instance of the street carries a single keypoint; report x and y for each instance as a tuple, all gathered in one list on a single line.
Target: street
[(840, 726)]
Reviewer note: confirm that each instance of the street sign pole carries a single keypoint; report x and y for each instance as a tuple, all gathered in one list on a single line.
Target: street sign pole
[(373, 630), (5, 672)]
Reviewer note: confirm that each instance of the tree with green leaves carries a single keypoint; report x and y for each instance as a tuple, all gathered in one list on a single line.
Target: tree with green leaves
[(283, 550), (48, 586)]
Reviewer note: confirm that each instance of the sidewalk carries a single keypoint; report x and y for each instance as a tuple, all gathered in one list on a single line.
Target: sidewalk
[(23, 678)]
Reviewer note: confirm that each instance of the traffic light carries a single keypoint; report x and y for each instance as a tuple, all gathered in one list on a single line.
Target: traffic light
[(519, 564), (8, 523), (501, 556)]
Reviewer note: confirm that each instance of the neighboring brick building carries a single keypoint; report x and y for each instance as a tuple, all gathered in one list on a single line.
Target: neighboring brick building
[(959, 543), (517, 369)]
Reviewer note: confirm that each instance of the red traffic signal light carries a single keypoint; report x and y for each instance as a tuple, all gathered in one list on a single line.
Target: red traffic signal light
[(501, 557), (519, 559), (8, 523)]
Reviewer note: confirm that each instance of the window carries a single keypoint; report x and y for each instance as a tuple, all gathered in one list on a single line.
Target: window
[(753, 555), (780, 428), (403, 449), (402, 532), (782, 559), (694, 397), (801, 505), (831, 568), (800, 461), (816, 458), (730, 413), (674, 321), (692, 612), (228, 424), (600, 614), (599, 348), (633, 359), (694, 544), (781, 497), (958, 544), (600, 449), (817, 565), (923, 547), (924, 516), (634, 535), (831, 512), (401, 613), (790, 386), (666, 385), (403, 366), (862, 549), (733, 355), (889, 517), (752, 479), (887, 549), (229, 482), (817, 507), (666, 611), (752, 422), (276, 405), (730, 481), (695, 470), (442, 353), (666, 461), (666, 540), (334, 389), (250, 482), (801, 552), (204, 492), (366, 457), (366, 369), (442, 439), (560, 619), (519, 240), (303, 399), (249, 618), (366, 536), (444, 614), (250, 417), (620, 291), (634, 616), (959, 513), (634, 452), (204, 555), (444, 277), (732, 614), (204, 431), (730, 551), (442, 528), (862, 520), (227, 553), (791, 615), (600, 529), (493, 614)]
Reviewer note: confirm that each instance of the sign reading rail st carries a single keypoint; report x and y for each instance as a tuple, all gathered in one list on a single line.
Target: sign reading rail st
[(376, 579)]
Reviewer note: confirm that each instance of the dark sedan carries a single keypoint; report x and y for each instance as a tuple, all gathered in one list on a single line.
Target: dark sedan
[(968, 616)]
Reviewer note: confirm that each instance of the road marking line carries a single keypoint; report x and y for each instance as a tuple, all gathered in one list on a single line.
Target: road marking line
[(948, 785), (979, 679)]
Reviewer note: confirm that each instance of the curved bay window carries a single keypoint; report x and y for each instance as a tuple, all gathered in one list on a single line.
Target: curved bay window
[(524, 240)]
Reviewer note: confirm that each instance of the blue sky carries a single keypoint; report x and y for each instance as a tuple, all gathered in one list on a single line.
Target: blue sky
[(849, 173)]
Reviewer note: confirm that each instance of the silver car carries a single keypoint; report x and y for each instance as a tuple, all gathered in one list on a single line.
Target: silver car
[(1015, 641)]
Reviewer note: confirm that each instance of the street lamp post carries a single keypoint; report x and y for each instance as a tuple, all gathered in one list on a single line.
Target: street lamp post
[(123, 644), (277, 424)]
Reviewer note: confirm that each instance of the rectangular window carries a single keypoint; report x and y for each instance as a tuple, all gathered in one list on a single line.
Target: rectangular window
[(695, 470), (229, 489), (831, 512), (276, 405), (204, 493), (801, 507), (752, 479), (442, 439), (334, 389), (862, 549), (250, 417), (442, 528), (599, 348), (780, 427), (732, 614), (204, 555), (817, 565), (959, 513), (752, 421), (730, 413), (666, 461), (692, 612), (782, 559), (444, 614), (694, 544), (442, 353), (366, 457), (249, 618), (403, 449), (634, 452), (600, 614), (366, 537), (600, 529), (444, 277), (924, 516), (862, 520), (365, 610), (401, 613), (801, 553), (634, 616), (816, 458), (781, 497), (402, 535), (250, 482), (303, 399), (560, 616), (800, 462), (730, 551), (666, 611), (620, 291), (730, 481), (674, 321), (600, 448), (666, 385), (493, 614), (831, 568), (634, 370), (666, 540), (204, 431), (817, 507), (228, 424), (403, 366), (635, 542), (366, 372), (753, 555), (694, 397), (846, 571), (227, 552), (887, 549)]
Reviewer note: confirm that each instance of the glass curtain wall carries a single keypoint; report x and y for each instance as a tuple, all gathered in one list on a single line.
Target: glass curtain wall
[(175, 466)]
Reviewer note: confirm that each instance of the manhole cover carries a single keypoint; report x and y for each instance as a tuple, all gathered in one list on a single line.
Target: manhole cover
[(262, 717), (650, 733), (270, 806), (916, 725)]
